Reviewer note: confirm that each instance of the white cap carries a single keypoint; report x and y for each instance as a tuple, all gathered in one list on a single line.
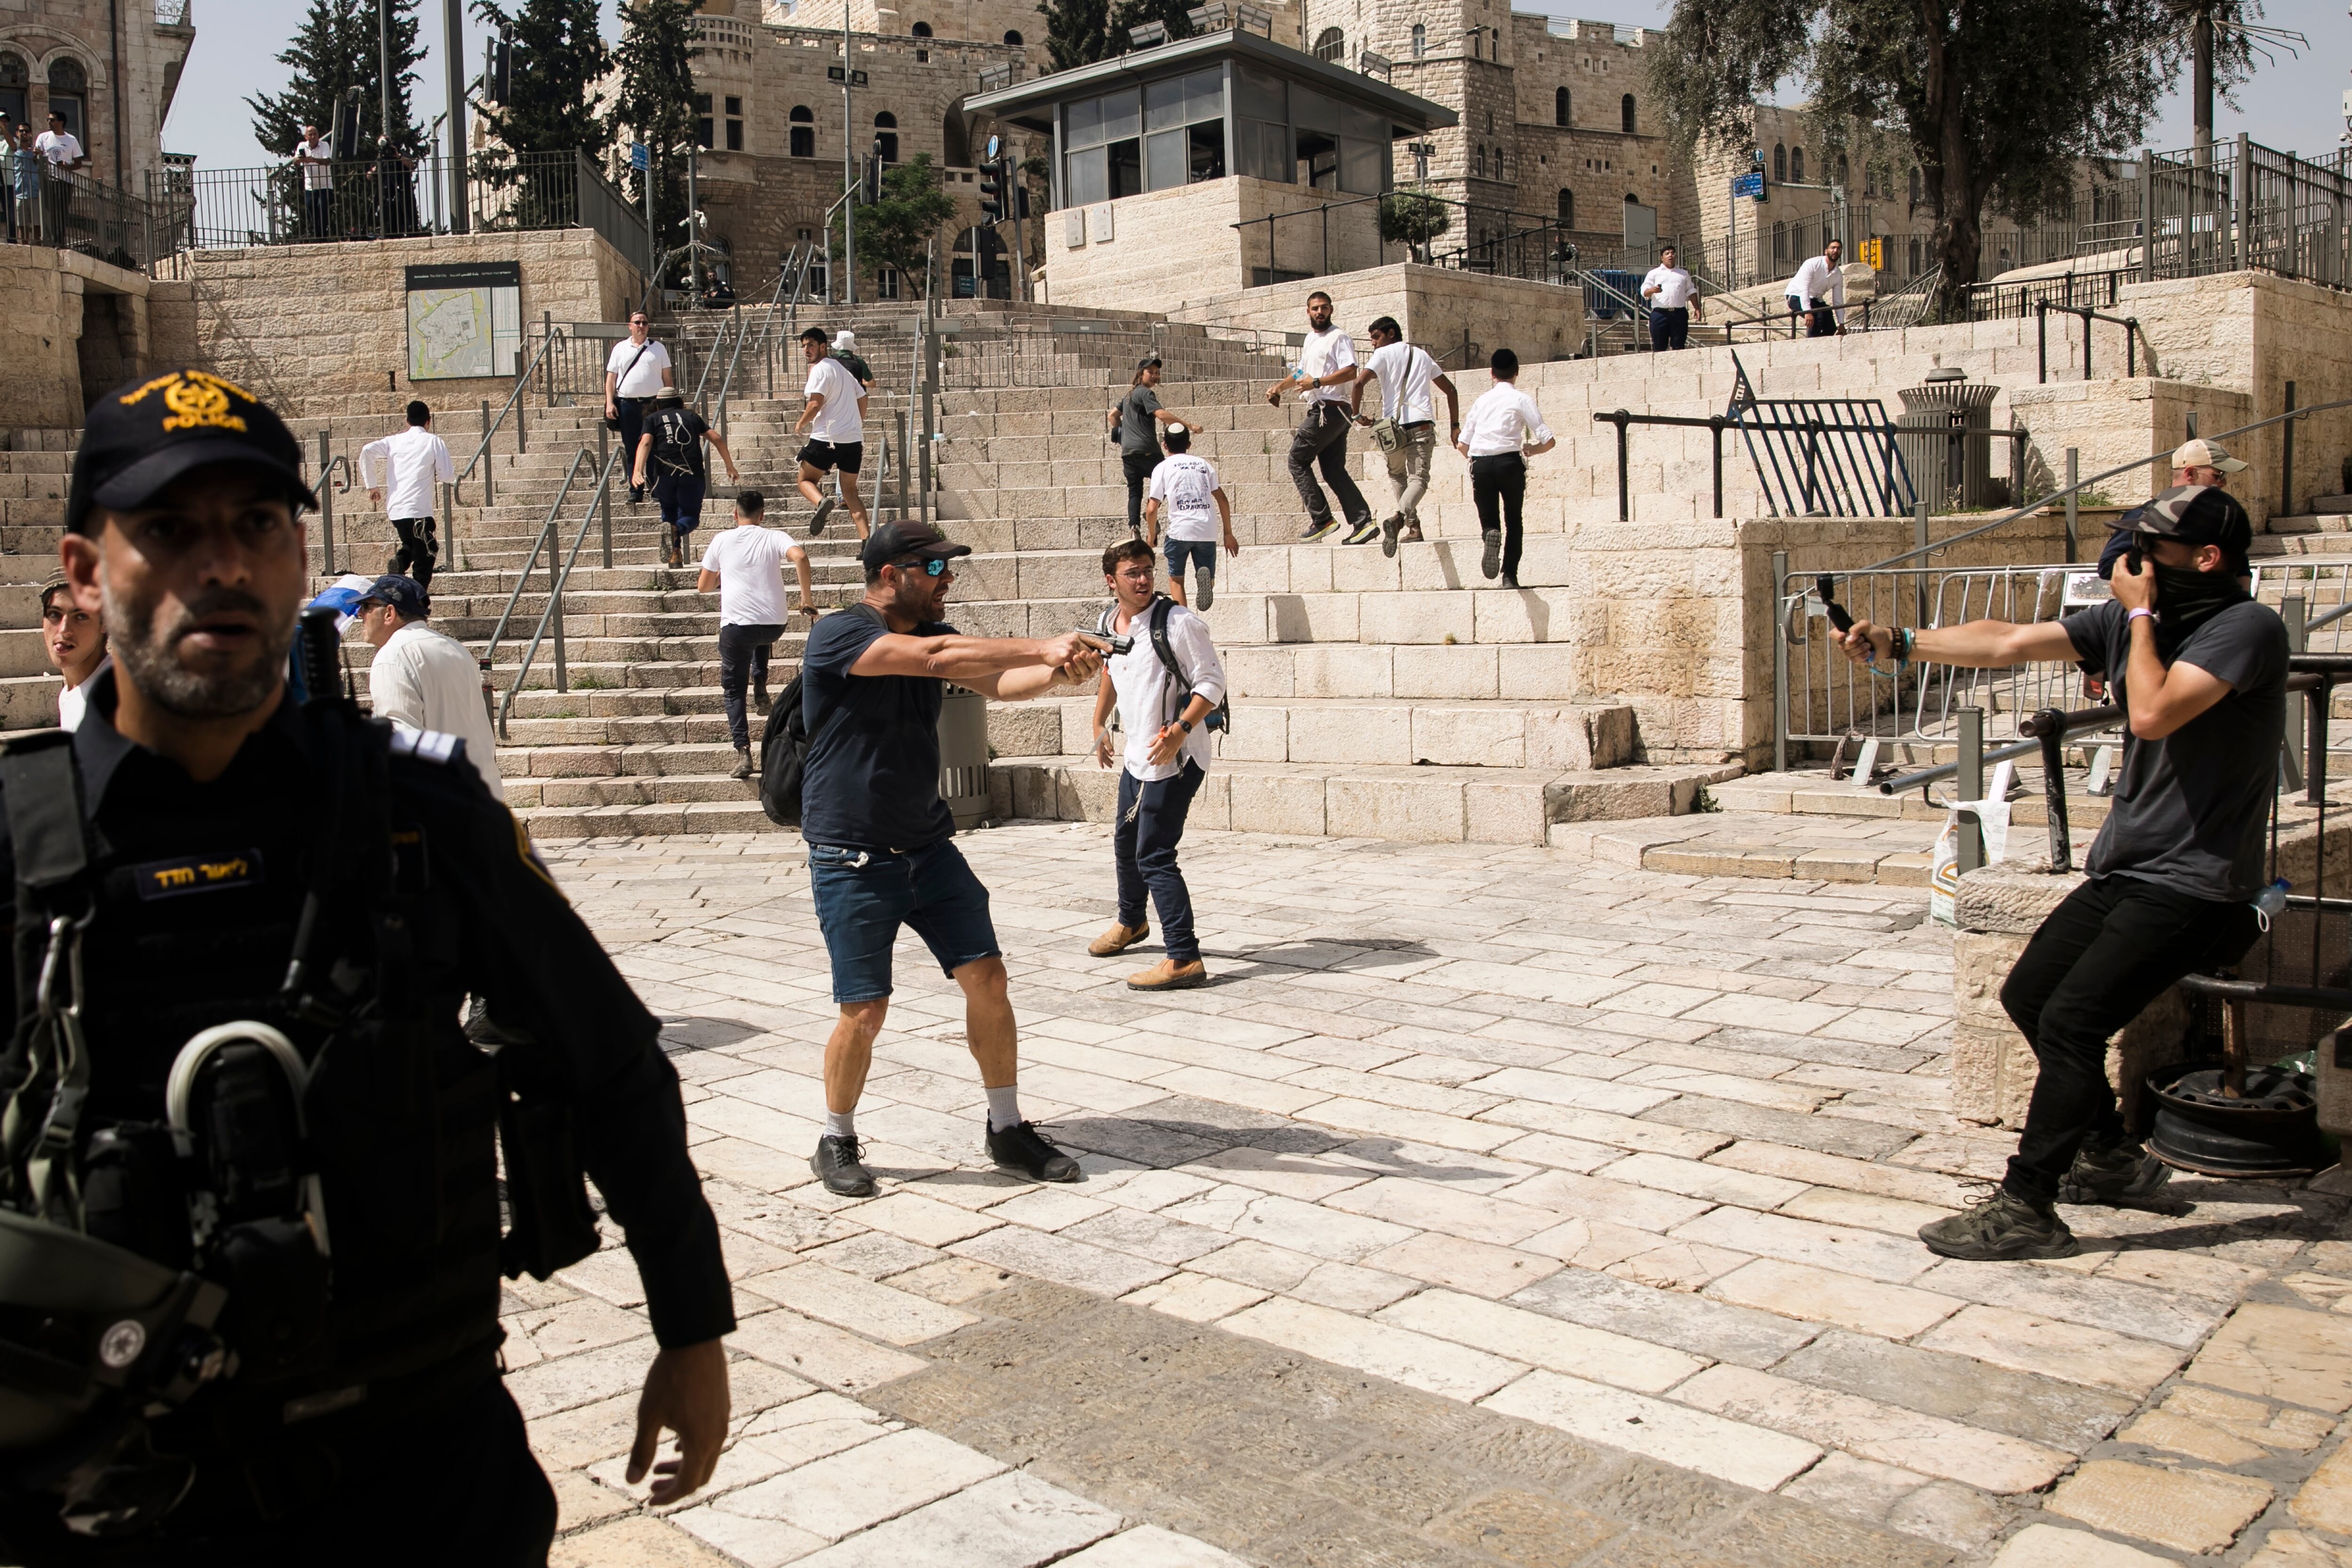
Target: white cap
[(2205, 455), (846, 340)]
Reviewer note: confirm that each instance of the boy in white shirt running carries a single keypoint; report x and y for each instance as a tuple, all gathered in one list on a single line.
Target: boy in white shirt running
[(834, 423), (1183, 489), (745, 567), (1504, 429)]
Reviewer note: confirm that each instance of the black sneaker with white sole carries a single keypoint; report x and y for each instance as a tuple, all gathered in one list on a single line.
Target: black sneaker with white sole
[(837, 1164), (1022, 1148)]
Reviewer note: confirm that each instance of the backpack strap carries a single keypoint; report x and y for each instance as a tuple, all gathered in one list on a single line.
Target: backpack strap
[(1161, 605)]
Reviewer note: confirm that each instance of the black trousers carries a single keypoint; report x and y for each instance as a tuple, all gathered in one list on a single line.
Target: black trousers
[(1499, 486), (418, 549), (1321, 445), (742, 652), (2107, 952), (1821, 318), (631, 417), (1670, 329), (1137, 466), (459, 1484)]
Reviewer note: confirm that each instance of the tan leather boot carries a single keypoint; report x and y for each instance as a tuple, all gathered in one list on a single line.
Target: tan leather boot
[(1117, 940), (1169, 975)]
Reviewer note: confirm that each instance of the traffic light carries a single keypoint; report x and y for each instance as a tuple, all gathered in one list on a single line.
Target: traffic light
[(874, 176), (501, 72), (992, 192)]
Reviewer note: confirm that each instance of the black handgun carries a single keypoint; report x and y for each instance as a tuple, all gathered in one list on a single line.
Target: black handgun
[(321, 655), (1826, 586), (1105, 642)]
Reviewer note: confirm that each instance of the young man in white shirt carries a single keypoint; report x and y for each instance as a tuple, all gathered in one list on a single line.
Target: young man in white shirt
[(1406, 375), (636, 370), (1164, 720), (1327, 364), (1504, 429), (315, 157), (745, 567), (1819, 291), (61, 153), (423, 680), (1186, 491), (834, 423), (76, 640), (1673, 296), (406, 468)]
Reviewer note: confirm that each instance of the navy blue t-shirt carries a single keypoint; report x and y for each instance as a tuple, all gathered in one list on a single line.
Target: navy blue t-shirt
[(873, 776)]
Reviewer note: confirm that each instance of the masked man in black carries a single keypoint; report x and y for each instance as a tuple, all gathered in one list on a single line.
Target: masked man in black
[(270, 911), (2200, 668)]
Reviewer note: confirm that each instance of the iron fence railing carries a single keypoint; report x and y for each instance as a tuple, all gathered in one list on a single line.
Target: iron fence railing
[(76, 212), (1349, 234)]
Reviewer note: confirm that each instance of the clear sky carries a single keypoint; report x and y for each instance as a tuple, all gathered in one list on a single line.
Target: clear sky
[(2295, 106)]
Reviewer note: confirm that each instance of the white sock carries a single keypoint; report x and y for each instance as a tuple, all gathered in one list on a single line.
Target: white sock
[(1004, 1108), (841, 1124)]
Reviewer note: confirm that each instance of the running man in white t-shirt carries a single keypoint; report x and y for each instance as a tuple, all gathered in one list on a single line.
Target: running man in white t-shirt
[(834, 423), (745, 567), (1184, 490), (1407, 376)]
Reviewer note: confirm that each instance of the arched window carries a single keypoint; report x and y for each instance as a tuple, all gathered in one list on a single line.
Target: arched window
[(13, 80), (1625, 114), (1844, 178), (1480, 164), (68, 88), (1780, 162), (1330, 44), (1797, 164), (1559, 106), (1567, 208), (804, 131), (886, 136), (1420, 40), (1918, 188), (1498, 162), (921, 29), (1014, 39)]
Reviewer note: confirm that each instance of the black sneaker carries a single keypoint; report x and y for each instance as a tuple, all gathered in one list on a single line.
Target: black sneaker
[(1020, 1148), (1319, 530), (1389, 532), (816, 518), (760, 703), (1363, 532), (1490, 560), (837, 1165), (1998, 1229), (2122, 1176)]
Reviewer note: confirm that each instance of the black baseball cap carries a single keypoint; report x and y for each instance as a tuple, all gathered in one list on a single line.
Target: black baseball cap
[(401, 592), (2195, 514), (896, 541), (1146, 361), (143, 435)]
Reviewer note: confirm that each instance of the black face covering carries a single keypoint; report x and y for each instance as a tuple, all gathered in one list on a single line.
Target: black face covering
[(2186, 598)]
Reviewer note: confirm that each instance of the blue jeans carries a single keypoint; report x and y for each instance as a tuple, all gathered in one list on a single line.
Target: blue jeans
[(1200, 553), (1150, 821), (679, 496), (864, 896)]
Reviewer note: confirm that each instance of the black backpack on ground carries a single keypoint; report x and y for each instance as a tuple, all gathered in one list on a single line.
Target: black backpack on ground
[(785, 745)]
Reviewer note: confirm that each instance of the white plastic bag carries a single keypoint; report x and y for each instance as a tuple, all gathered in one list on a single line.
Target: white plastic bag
[(1944, 861)]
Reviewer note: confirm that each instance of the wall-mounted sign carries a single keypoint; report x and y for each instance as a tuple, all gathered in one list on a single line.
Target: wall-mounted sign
[(465, 320), (1750, 184)]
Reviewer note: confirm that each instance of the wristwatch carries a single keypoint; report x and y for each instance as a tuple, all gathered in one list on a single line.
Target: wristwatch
[(1185, 725)]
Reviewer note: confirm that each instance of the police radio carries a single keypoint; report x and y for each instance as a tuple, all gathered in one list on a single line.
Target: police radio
[(319, 654)]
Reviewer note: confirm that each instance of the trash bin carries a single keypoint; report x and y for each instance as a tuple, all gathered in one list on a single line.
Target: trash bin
[(963, 756), (1948, 470)]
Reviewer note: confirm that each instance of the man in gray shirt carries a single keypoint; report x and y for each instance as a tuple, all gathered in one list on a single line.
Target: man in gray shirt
[(2200, 668), (1135, 426)]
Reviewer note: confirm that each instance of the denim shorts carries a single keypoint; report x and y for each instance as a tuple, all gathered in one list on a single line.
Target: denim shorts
[(864, 896), (1200, 553)]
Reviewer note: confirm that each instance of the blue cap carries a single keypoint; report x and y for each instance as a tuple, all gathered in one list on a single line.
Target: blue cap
[(402, 593)]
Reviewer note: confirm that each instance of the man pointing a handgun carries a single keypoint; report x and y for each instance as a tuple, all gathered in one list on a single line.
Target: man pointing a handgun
[(2200, 668)]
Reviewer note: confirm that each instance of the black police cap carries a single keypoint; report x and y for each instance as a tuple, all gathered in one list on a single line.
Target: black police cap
[(144, 434)]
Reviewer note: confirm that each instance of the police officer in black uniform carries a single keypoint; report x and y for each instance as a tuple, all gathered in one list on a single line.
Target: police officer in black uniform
[(270, 860)]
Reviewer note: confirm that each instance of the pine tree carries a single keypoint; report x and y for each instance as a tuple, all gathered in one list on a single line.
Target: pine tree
[(1080, 32), (654, 104), (558, 56), (334, 50)]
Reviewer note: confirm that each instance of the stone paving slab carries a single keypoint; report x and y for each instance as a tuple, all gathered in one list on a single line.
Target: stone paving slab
[(1494, 1206)]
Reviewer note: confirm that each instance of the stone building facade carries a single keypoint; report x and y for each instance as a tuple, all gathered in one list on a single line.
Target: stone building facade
[(112, 80)]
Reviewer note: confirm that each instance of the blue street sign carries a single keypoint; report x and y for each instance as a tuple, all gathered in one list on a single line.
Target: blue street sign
[(1750, 184), (639, 158)]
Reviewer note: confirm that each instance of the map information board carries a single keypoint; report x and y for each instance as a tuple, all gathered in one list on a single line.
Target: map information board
[(464, 322)]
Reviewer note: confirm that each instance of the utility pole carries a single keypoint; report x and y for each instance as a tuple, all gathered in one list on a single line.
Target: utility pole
[(2200, 89), (693, 221), (848, 163), (453, 50)]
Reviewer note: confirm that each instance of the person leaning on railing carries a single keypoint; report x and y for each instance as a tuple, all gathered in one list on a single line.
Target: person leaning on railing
[(2199, 667)]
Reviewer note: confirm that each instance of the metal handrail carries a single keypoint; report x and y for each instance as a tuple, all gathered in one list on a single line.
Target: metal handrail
[(554, 610), (522, 381), (499, 631), (774, 298), (2029, 508)]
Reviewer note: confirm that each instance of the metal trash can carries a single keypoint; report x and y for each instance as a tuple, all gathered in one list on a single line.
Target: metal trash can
[(1948, 468), (963, 756)]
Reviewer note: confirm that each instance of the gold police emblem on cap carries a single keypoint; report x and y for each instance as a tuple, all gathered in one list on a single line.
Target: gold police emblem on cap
[(195, 398)]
